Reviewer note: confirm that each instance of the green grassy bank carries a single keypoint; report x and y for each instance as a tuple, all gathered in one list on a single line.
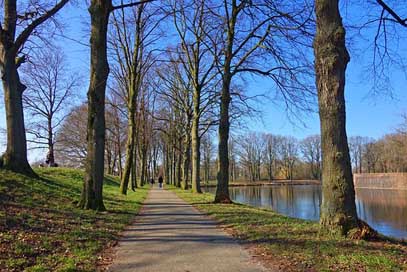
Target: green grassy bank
[(42, 230), (294, 245)]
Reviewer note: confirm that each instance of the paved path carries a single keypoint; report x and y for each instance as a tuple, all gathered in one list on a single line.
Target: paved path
[(170, 235)]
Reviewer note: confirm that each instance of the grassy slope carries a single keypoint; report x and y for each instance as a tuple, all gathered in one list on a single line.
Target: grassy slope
[(294, 244), (42, 230)]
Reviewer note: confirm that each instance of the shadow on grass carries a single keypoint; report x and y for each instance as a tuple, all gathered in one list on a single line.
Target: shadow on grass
[(110, 181)]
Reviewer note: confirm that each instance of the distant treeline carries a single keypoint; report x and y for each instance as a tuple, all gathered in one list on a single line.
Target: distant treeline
[(386, 155), (258, 156), (253, 155)]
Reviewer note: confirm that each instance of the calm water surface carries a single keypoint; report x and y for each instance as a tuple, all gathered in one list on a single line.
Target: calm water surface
[(385, 210)]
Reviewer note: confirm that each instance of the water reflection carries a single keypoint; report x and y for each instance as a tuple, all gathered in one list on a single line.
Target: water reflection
[(384, 210)]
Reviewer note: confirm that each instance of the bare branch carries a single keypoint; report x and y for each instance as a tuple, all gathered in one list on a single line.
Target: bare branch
[(25, 34)]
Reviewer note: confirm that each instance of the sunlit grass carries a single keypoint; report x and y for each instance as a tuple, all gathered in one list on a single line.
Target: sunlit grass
[(41, 229), (294, 244)]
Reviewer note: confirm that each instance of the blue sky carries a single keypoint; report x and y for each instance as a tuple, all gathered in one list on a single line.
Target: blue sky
[(366, 115)]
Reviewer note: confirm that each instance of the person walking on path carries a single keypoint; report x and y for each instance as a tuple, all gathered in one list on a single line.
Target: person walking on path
[(160, 181)]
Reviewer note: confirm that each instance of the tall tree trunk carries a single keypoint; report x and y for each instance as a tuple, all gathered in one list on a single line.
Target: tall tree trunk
[(114, 161), (143, 178), (133, 88), (206, 168), (142, 168), (174, 167), (92, 197), (119, 159), (134, 167), (51, 158), (15, 157), (129, 150), (178, 168), (186, 158), (222, 188), (338, 211), (108, 154), (167, 165), (196, 142)]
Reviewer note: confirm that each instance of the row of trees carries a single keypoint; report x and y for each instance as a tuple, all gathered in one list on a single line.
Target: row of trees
[(193, 84), (384, 155), (260, 156), (257, 156), (253, 156)]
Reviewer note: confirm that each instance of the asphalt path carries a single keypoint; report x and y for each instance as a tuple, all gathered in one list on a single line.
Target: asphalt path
[(170, 235)]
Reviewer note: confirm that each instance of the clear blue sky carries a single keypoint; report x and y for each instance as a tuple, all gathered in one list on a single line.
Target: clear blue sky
[(366, 116)]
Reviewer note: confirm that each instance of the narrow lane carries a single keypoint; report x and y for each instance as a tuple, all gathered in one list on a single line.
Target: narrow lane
[(170, 235)]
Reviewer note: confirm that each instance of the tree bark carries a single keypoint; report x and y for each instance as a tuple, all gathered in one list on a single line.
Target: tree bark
[(222, 187), (134, 166), (50, 156), (338, 210), (119, 155), (129, 151), (92, 197), (186, 158), (167, 165), (133, 90), (196, 152), (15, 157), (144, 164), (178, 168), (174, 166)]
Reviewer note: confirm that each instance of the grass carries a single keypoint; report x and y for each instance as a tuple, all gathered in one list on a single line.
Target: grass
[(294, 244), (41, 229)]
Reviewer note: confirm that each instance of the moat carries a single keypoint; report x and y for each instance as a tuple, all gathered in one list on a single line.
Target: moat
[(384, 209)]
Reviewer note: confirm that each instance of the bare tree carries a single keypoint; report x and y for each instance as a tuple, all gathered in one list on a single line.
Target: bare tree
[(289, 155), (371, 156), (357, 149), (270, 153), (207, 153), (175, 91), (50, 86), (133, 35), (311, 151), (115, 135), (15, 30), (250, 153), (382, 25), (70, 147), (92, 192), (191, 20), (256, 50)]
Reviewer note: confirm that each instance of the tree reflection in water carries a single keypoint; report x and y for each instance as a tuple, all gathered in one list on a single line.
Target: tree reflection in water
[(385, 210)]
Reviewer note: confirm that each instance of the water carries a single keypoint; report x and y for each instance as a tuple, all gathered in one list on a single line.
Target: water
[(383, 209)]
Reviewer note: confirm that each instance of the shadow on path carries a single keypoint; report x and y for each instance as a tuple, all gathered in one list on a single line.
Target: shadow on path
[(170, 236)]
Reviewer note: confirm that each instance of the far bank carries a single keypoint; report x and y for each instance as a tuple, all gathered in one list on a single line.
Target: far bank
[(364, 180)]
